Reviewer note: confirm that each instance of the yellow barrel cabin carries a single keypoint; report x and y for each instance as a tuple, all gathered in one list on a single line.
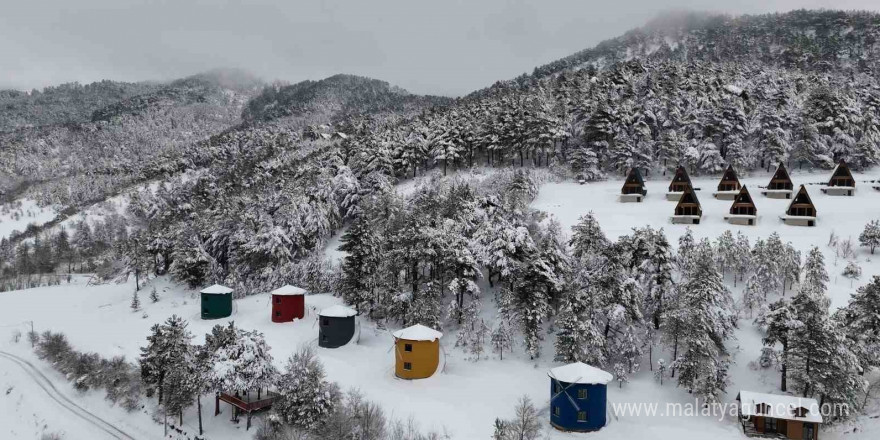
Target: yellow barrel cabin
[(416, 352)]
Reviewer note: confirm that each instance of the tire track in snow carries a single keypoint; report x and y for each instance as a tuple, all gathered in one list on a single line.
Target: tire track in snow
[(53, 393)]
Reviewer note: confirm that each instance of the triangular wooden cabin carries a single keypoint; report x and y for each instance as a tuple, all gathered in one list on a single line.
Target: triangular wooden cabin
[(801, 211), (780, 186), (729, 186), (688, 209), (743, 211), (634, 188), (680, 182), (842, 182)]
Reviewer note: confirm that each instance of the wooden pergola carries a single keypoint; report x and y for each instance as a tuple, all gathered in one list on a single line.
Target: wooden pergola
[(244, 404)]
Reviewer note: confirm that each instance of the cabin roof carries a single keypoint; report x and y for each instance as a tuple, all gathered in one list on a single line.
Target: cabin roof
[(841, 170), (635, 176), (802, 198), (288, 290), (779, 406), (681, 175), (729, 174), (689, 196), (216, 289), (744, 197), (337, 311), (781, 173), (418, 332), (580, 373)]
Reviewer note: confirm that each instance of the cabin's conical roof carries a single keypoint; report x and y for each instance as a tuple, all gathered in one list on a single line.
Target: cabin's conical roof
[(681, 175), (743, 197), (729, 174), (635, 176), (841, 170)]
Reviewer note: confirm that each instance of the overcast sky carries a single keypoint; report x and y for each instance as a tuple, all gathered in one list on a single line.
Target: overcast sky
[(447, 47)]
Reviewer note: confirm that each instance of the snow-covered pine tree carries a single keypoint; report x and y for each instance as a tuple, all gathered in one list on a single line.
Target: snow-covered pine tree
[(725, 251), (870, 237), (168, 345), (135, 302), (708, 324), (742, 257), (154, 295), (502, 337), (244, 364), (360, 265), (587, 237), (306, 397), (684, 256), (861, 319), (779, 321)]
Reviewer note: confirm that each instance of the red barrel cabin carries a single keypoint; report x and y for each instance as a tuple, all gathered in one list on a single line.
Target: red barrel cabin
[(288, 303)]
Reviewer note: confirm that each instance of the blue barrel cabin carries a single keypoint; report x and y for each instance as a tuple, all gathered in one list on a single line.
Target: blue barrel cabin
[(578, 397)]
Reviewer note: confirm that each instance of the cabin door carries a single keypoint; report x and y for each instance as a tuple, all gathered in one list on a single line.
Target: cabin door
[(809, 431)]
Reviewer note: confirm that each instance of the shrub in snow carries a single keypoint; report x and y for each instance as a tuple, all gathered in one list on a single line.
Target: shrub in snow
[(852, 271), (154, 295), (525, 425)]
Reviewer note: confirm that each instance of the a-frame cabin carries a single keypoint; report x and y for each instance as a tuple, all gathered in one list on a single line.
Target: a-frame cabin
[(729, 186), (842, 182), (680, 182), (634, 188), (801, 211), (780, 186), (743, 211), (688, 210)]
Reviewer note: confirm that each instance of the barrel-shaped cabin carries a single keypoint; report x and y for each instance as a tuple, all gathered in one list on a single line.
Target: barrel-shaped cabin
[(578, 397), (841, 182), (680, 181), (634, 188), (780, 186), (743, 210), (729, 186), (688, 210), (216, 302), (801, 211), (336, 326), (416, 352), (288, 303)]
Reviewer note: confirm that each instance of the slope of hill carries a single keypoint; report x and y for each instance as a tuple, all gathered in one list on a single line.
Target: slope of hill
[(337, 97)]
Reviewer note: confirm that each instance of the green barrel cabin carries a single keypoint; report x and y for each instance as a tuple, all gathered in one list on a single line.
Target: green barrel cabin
[(216, 302)]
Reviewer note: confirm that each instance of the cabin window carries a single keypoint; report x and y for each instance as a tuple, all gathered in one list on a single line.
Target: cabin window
[(761, 408), (324, 338), (556, 411), (582, 416), (277, 300), (407, 347), (557, 388), (809, 431), (582, 393), (407, 366), (277, 314), (770, 424), (325, 321), (800, 412)]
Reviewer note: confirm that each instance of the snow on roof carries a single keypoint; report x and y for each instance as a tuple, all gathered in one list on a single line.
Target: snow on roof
[(337, 311), (288, 290), (779, 406), (418, 332), (216, 289), (581, 373)]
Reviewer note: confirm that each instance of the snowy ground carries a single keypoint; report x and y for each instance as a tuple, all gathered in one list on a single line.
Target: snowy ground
[(467, 396), (16, 216)]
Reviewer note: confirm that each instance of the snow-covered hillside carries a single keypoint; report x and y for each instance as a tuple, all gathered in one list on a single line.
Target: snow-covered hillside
[(466, 396)]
